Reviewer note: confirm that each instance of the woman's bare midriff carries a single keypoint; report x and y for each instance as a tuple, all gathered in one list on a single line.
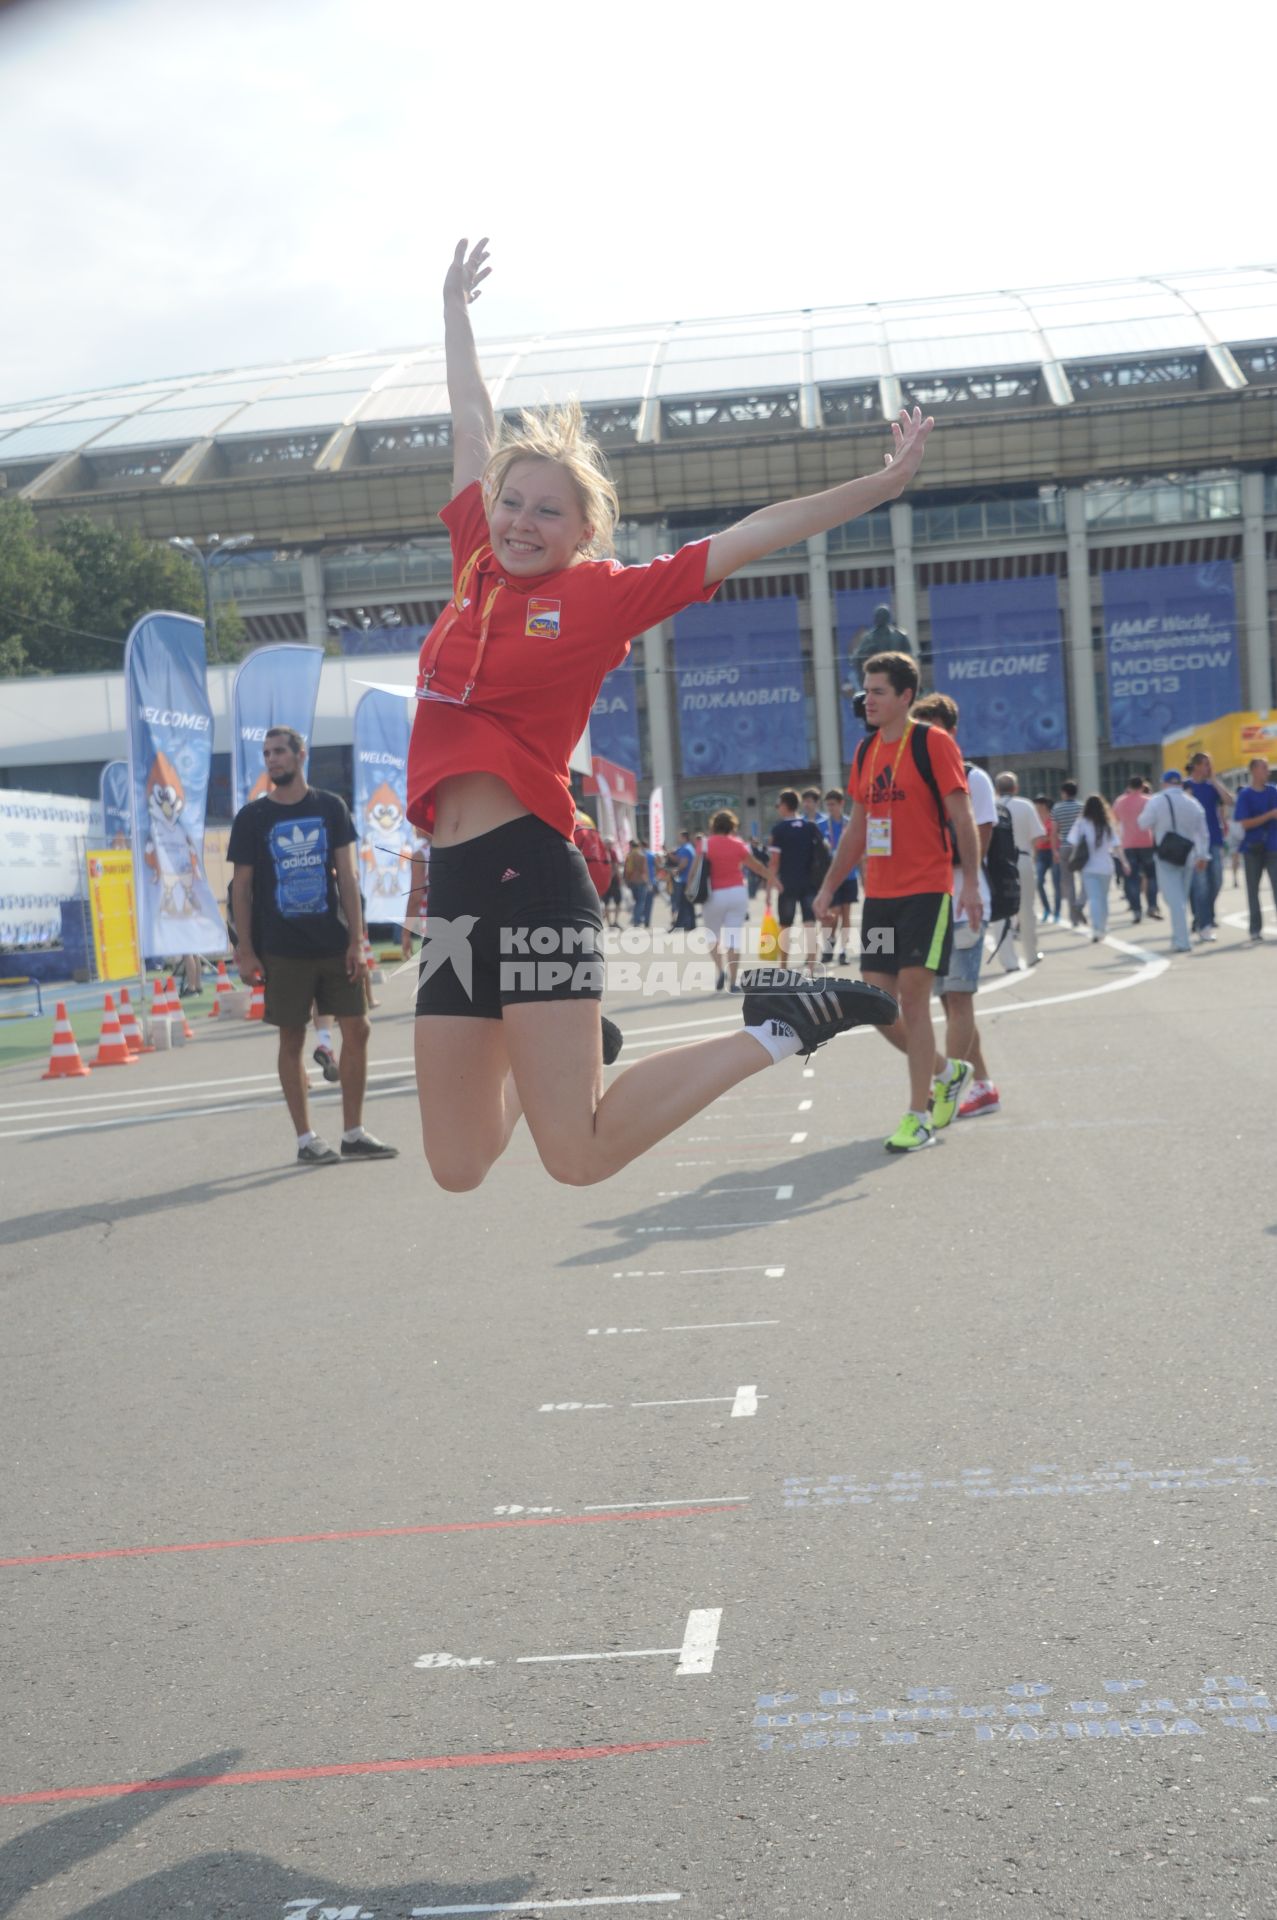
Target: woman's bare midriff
[(468, 804)]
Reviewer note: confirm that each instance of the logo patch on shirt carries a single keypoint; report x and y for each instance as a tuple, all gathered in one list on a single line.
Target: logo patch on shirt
[(543, 619)]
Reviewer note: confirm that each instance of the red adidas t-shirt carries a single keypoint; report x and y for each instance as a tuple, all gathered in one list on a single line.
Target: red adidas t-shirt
[(889, 786), (551, 639)]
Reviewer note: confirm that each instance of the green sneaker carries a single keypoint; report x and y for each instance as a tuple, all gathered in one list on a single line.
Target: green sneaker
[(911, 1135), (948, 1090)]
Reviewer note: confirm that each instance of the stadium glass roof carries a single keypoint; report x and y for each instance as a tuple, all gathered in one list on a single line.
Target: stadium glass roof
[(1044, 329)]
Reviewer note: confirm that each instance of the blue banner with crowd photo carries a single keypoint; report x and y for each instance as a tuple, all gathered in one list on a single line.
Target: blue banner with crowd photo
[(113, 786), (1170, 642), (274, 687), (386, 840), (997, 649), (614, 732), (170, 755), (741, 703), (854, 611)]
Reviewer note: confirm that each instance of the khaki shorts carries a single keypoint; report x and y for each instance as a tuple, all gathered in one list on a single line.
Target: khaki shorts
[(292, 986)]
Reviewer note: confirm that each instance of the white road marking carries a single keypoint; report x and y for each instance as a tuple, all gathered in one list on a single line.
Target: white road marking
[(745, 1404), (664, 1273), (700, 1500), (173, 1089), (809, 1073), (785, 1193), (715, 1326), (718, 1226), (796, 1139), (710, 1400), (553, 1659), (547, 1906), (700, 1642)]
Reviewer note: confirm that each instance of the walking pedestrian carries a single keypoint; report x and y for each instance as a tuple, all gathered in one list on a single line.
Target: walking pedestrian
[(1181, 840), (724, 912), (1140, 882), (1045, 861), (636, 879), (1027, 828), (1256, 811), (682, 910), (531, 523), (1063, 814), (796, 848), (1216, 803), (837, 923), (908, 788), (299, 924), (1096, 830)]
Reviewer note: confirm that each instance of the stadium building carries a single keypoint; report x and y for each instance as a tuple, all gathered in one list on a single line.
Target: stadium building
[(1087, 561)]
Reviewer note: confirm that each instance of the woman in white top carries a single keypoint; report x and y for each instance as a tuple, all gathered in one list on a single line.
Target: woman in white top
[(1096, 828)]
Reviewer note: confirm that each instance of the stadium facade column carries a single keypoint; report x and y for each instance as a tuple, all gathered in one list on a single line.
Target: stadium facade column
[(1086, 730), (652, 540), (1259, 673), (824, 660), (313, 599), (905, 592)]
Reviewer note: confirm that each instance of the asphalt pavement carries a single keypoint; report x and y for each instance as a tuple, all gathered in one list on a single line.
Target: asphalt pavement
[(780, 1529)]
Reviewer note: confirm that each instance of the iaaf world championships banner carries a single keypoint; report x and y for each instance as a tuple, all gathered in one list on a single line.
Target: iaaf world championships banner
[(997, 649), (741, 703), (275, 687), (386, 839), (1170, 640), (170, 755)]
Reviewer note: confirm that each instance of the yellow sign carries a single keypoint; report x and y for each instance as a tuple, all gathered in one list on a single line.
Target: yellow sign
[(114, 914), (1232, 742)]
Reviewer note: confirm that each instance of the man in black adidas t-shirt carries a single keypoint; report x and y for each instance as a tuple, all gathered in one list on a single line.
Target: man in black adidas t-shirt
[(796, 846), (299, 927)]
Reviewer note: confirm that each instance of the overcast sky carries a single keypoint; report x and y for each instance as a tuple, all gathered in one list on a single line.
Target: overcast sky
[(190, 187)]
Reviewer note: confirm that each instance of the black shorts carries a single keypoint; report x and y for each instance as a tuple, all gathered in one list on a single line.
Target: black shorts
[(915, 931), (846, 893), (513, 918), (791, 903)]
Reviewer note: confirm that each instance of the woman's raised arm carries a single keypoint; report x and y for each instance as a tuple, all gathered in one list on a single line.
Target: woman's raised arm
[(790, 521), (474, 424)]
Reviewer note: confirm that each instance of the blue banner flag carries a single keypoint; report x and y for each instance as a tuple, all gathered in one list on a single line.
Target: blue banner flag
[(116, 812), (274, 687), (997, 649), (170, 755), (614, 733), (386, 840), (854, 610), (1170, 641), (741, 704)]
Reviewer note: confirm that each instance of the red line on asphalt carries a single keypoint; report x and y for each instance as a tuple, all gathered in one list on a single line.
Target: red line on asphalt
[(366, 1533), (351, 1768)]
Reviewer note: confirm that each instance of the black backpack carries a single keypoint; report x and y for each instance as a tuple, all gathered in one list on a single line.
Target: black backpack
[(821, 860), (1002, 866), (697, 887)]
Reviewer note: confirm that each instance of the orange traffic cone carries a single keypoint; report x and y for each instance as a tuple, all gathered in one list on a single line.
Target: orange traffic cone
[(175, 1009), (159, 1000), (257, 1005), (112, 1051), (221, 986), (64, 1059), (130, 1026)]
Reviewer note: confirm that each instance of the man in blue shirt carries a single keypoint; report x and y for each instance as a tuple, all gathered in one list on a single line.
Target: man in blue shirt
[(795, 842), (1214, 799), (1256, 810), (683, 912)]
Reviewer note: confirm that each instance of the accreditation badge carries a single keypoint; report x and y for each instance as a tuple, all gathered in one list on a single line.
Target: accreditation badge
[(543, 620), (878, 840)]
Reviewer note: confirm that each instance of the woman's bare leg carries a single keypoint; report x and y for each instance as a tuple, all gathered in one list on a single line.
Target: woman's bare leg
[(584, 1134), (469, 1104)]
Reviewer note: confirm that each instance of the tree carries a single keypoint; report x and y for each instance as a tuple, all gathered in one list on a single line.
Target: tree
[(34, 590), (118, 577), (232, 635)]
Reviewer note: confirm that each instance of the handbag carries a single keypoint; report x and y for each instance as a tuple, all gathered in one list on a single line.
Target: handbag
[(1079, 855), (1173, 847)]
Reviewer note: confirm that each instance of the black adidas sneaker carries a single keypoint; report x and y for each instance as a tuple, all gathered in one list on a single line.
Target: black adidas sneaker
[(613, 1041), (815, 1006)]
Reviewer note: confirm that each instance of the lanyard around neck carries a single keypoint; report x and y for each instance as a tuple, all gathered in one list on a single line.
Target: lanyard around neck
[(900, 747), (430, 664)]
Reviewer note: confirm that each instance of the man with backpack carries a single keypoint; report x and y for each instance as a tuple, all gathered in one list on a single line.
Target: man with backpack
[(911, 804), (999, 878), (636, 879), (799, 859)]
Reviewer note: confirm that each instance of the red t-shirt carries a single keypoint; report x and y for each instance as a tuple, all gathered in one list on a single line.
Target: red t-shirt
[(551, 639), (595, 854), (726, 861), (890, 787)]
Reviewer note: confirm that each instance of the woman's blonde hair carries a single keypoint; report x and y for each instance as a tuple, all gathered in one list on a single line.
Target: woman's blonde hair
[(558, 434)]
